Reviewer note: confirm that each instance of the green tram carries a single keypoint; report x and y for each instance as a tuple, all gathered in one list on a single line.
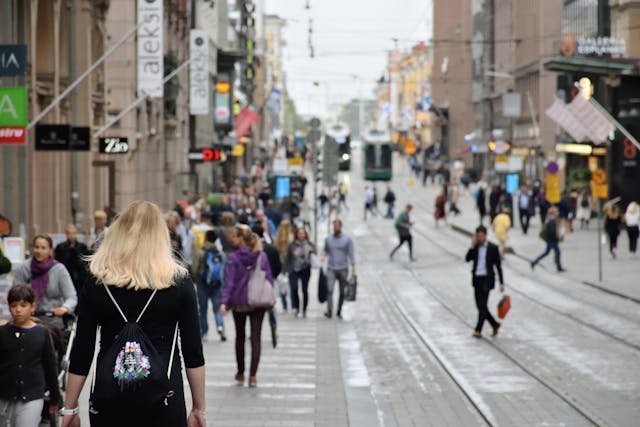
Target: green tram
[(377, 152), (340, 133)]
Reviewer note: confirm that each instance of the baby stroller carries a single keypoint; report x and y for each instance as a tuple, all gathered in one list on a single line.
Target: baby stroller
[(62, 341)]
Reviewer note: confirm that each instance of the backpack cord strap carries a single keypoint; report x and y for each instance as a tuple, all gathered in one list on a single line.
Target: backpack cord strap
[(173, 350), (115, 303), (146, 305)]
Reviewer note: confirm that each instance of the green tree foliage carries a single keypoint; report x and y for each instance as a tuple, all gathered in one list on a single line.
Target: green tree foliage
[(292, 120)]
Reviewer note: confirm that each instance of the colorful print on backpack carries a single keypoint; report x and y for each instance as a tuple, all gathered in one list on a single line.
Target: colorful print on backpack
[(132, 365)]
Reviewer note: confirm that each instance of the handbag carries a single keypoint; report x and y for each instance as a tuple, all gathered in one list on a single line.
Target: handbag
[(503, 306), (260, 293), (322, 287), (350, 290)]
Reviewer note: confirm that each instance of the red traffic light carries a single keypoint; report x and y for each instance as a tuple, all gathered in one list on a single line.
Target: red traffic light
[(211, 155)]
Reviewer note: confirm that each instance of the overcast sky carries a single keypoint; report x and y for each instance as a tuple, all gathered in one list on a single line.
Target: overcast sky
[(351, 39)]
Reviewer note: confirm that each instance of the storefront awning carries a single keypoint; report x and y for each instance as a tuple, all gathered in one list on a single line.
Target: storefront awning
[(590, 65)]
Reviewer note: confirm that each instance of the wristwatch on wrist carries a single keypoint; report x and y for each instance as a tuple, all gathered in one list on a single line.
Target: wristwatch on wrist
[(64, 411)]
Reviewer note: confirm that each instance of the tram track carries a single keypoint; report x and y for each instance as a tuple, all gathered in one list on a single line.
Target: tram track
[(393, 299), (516, 290)]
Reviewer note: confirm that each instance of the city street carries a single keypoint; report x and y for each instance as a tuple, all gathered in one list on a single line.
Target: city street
[(145, 142), (403, 354)]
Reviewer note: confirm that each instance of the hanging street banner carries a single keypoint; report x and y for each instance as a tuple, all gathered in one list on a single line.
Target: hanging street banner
[(199, 72), (150, 56), (13, 106), (13, 60)]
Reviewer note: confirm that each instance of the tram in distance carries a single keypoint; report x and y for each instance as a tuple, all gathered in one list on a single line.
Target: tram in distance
[(340, 133), (377, 152)]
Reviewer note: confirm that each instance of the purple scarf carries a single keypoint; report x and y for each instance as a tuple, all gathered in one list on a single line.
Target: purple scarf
[(40, 276)]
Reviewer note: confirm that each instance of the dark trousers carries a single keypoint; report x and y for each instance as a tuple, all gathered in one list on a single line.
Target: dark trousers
[(633, 232), (556, 249), (404, 238), (255, 320), (389, 210), (482, 287), (294, 277), (524, 220)]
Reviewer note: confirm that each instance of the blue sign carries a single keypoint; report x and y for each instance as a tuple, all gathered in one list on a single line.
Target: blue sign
[(13, 60), (513, 182), (283, 188)]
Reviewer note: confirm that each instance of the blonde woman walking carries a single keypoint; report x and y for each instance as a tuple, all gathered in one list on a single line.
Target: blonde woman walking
[(284, 238), (134, 267)]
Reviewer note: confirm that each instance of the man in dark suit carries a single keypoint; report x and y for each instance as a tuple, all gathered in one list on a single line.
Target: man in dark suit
[(485, 256)]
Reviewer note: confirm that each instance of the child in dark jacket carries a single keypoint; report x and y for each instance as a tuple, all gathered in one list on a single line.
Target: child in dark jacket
[(27, 363)]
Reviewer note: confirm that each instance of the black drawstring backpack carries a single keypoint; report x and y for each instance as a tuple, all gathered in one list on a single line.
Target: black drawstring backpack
[(130, 375)]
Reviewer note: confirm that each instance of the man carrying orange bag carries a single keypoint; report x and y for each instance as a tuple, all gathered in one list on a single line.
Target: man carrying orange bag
[(485, 256)]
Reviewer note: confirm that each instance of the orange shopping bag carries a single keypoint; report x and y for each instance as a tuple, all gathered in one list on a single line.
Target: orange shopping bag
[(503, 306)]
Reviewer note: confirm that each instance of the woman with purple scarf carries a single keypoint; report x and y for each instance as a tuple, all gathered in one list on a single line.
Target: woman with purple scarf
[(49, 279)]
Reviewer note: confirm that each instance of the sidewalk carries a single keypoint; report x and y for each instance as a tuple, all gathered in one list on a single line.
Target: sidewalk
[(579, 250)]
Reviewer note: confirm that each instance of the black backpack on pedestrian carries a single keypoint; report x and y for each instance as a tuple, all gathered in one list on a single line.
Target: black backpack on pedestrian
[(130, 375)]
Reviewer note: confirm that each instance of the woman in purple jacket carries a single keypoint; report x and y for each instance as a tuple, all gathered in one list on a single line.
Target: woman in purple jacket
[(234, 296)]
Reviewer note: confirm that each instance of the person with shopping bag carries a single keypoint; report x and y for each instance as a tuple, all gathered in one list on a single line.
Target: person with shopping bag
[(338, 249), (236, 296), (486, 257)]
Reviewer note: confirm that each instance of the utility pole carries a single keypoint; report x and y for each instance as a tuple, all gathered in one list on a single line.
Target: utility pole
[(314, 138), (74, 9), (192, 118)]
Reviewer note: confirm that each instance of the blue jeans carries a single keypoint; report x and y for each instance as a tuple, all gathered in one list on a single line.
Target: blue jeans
[(206, 293), (389, 210), (556, 249)]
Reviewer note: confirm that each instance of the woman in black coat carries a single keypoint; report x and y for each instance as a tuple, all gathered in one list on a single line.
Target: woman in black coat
[(132, 267)]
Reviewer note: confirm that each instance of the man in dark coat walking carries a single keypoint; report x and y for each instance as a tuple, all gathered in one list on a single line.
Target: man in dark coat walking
[(71, 254), (485, 256), (403, 226)]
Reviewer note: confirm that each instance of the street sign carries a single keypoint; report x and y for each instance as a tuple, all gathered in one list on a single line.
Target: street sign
[(12, 135), (599, 191), (501, 163), (13, 106), (113, 145), (599, 176), (200, 155), (150, 48), (552, 167), (238, 150), (52, 137), (280, 166), (199, 72), (552, 188), (13, 60), (80, 139)]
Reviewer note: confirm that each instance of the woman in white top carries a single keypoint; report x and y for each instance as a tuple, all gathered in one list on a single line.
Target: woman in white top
[(583, 209), (631, 219)]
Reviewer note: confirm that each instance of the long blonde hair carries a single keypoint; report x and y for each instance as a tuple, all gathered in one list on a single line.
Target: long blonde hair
[(284, 237), (249, 238), (136, 251)]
